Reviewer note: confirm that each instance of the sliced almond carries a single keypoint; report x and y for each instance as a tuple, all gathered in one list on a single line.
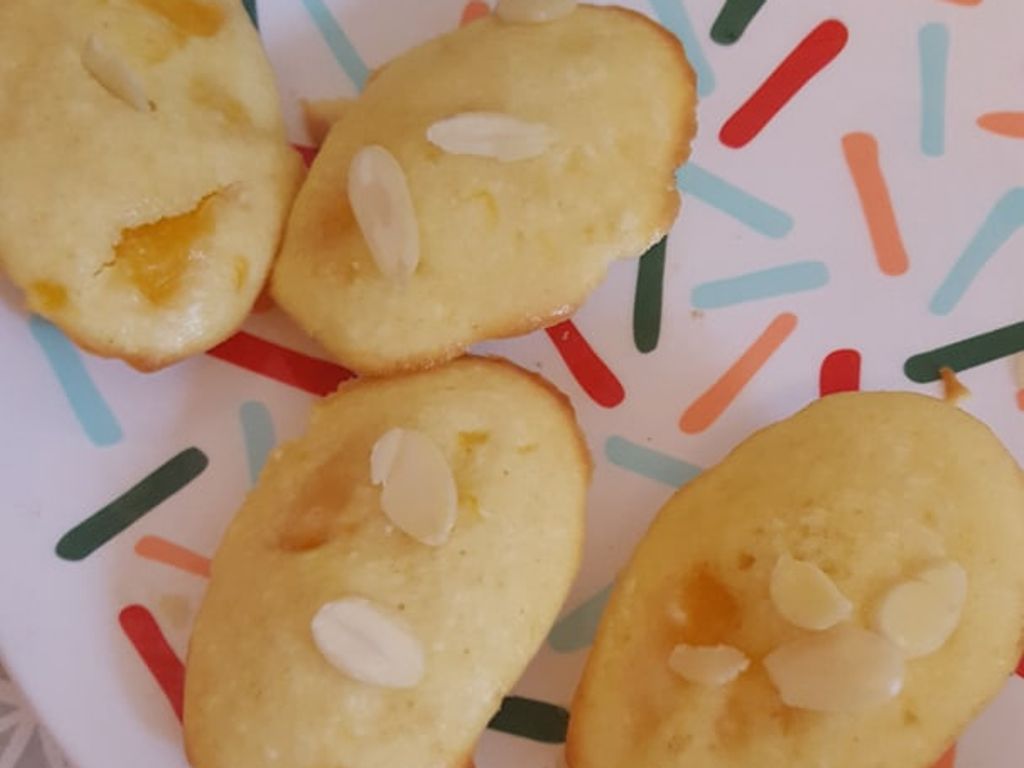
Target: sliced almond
[(533, 11), (845, 669), (710, 665), (114, 74), (1018, 362), (379, 195), (805, 596), (919, 615), (419, 494), (368, 643), (490, 134), (382, 456)]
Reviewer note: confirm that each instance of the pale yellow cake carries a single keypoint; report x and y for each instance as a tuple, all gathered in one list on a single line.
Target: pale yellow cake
[(867, 488), (505, 246), (146, 178), (259, 689)]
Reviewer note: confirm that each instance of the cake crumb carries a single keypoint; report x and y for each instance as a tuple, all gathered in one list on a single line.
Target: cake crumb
[(953, 390)]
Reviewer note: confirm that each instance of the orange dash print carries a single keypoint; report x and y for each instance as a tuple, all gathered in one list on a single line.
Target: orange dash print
[(705, 410), (861, 151), (161, 550), (1009, 124), (1018, 366), (474, 10), (948, 760)]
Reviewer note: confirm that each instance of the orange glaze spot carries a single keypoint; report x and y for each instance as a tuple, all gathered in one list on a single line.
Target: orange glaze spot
[(712, 614), (47, 296), (190, 17), (156, 256)]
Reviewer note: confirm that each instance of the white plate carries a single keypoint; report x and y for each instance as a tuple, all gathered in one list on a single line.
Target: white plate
[(60, 633)]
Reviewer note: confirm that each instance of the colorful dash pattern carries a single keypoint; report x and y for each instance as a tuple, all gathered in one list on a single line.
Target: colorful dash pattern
[(705, 410), (475, 9), (733, 19), (966, 353), (531, 719), (250, 8), (160, 550), (861, 153), (673, 15), (762, 284), (152, 490), (341, 46), (1009, 124), (258, 434), (999, 226), (840, 372), (589, 370), (1018, 366), (149, 642), (810, 56), (87, 403), (575, 631), (647, 299), (749, 210), (648, 462), (316, 376), (933, 47)]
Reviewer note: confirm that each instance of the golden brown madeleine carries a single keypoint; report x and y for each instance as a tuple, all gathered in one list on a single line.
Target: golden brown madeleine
[(534, 156), (863, 559), (361, 624), (146, 177)]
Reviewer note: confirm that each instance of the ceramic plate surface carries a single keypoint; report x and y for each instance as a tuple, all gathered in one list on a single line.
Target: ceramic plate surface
[(861, 234)]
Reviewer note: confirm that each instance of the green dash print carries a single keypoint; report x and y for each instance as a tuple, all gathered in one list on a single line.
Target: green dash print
[(650, 277), (967, 353), (250, 8), (733, 19), (531, 719), (156, 487)]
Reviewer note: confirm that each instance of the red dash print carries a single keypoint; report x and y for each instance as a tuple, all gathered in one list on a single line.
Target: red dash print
[(705, 410), (144, 633), (160, 550), (264, 303), (587, 368), (805, 61), (308, 153), (1020, 668), (281, 364), (840, 372), (474, 10), (948, 760), (861, 152)]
